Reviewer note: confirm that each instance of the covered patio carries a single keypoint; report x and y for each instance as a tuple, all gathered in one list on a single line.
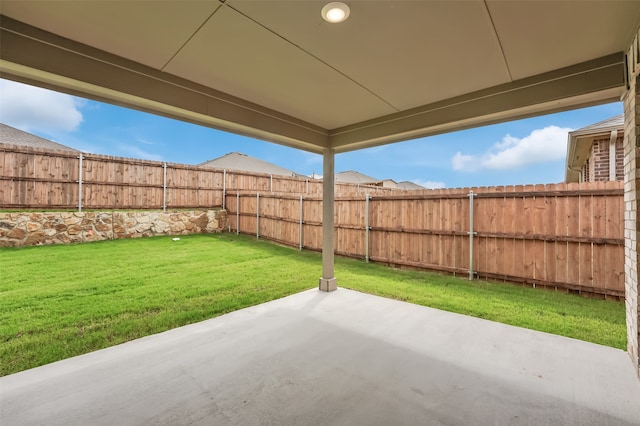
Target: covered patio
[(394, 70), (342, 358)]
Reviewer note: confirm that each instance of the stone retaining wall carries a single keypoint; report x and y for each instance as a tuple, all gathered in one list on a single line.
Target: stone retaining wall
[(31, 228)]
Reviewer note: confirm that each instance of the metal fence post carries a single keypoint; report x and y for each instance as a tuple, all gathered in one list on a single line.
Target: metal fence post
[(224, 188), (80, 183), (164, 187), (257, 215), (367, 227), (471, 234), (237, 213), (270, 183), (300, 245)]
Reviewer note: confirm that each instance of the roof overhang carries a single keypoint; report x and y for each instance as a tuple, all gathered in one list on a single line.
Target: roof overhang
[(579, 144), (342, 94)]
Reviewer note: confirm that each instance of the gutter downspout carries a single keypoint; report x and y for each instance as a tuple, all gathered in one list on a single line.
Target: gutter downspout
[(612, 154), (579, 173)]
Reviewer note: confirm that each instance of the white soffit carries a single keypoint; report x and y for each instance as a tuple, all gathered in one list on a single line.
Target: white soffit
[(538, 36), (148, 32), (251, 62), (409, 53), (276, 70)]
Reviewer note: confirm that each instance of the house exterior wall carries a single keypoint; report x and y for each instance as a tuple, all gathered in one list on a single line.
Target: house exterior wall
[(631, 203), (596, 167)]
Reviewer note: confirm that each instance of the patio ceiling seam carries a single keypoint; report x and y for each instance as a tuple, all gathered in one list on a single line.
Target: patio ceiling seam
[(495, 33), (177, 52), (306, 52)]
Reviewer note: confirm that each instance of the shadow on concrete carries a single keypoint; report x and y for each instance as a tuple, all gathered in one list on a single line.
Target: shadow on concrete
[(342, 358)]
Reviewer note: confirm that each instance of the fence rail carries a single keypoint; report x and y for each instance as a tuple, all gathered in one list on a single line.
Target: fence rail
[(44, 179), (566, 235)]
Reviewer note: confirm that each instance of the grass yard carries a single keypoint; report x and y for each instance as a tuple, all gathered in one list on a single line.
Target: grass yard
[(62, 301)]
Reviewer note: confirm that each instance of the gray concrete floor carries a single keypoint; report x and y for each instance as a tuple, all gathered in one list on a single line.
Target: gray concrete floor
[(342, 358)]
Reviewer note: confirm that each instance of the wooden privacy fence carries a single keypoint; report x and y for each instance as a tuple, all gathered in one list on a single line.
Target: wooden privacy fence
[(566, 236), (32, 178)]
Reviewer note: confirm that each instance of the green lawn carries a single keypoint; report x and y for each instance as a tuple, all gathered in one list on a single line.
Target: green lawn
[(61, 301)]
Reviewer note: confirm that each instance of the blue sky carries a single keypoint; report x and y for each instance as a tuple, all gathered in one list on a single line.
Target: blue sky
[(517, 152)]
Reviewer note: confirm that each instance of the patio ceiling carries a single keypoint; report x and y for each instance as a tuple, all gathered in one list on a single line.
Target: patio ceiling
[(275, 70)]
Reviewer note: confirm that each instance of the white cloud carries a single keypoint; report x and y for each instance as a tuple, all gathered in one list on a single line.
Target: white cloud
[(145, 142), (31, 108), (311, 158), (135, 152), (541, 146), (429, 184)]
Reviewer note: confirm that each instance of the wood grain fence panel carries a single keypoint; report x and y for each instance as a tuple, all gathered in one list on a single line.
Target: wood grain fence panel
[(586, 249), (506, 263), (432, 242), (519, 244), (598, 251), (538, 246), (456, 247), (562, 230), (527, 228), (573, 228), (614, 256), (549, 228), (499, 259), (312, 237)]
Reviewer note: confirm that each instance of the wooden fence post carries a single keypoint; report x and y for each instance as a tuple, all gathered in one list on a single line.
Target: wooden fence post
[(301, 222), (471, 194), (257, 215), (367, 227), (80, 183), (224, 188), (164, 186)]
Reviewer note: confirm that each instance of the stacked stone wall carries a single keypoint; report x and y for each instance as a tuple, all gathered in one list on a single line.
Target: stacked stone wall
[(42, 228)]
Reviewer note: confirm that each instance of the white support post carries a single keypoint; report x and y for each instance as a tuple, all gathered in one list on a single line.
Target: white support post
[(80, 183), (328, 281), (270, 183), (306, 186), (301, 223), (471, 234), (164, 187), (367, 227), (258, 216), (237, 213)]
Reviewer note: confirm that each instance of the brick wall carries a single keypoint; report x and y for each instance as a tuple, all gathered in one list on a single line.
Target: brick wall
[(631, 201), (597, 166), (620, 158)]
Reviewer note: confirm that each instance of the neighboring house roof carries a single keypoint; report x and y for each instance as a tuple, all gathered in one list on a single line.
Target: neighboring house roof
[(12, 136), (579, 143), (351, 176), (409, 185), (246, 163)]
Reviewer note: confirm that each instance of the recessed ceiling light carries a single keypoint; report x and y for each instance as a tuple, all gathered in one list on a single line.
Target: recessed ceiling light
[(335, 12)]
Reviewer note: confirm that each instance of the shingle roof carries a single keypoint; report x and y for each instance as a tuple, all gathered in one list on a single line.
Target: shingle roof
[(12, 136), (409, 185), (351, 176), (246, 163), (617, 121)]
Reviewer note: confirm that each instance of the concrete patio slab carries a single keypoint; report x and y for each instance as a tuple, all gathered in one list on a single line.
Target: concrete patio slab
[(341, 358)]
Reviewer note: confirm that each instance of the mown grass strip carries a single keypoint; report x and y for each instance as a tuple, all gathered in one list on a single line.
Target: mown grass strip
[(61, 301)]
